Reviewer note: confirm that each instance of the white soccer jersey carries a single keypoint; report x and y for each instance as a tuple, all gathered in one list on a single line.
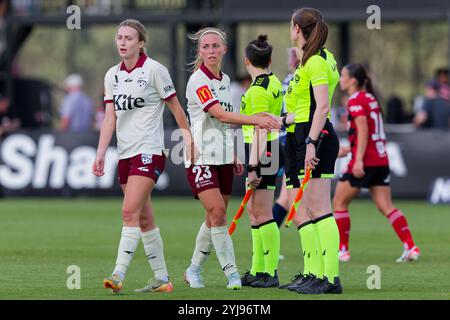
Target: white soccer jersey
[(213, 138), (138, 97)]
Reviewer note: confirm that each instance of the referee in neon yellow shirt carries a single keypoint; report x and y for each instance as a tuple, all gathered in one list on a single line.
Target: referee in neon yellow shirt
[(264, 157), (311, 91)]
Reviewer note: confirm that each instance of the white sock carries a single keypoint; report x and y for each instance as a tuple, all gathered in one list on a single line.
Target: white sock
[(154, 252), (224, 249), (127, 247), (203, 246)]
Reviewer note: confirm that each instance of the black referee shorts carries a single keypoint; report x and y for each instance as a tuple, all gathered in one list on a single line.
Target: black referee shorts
[(296, 151), (375, 176), (270, 164)]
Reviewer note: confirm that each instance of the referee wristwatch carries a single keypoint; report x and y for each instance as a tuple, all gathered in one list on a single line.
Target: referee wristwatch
[(310, 140), (283, 119)]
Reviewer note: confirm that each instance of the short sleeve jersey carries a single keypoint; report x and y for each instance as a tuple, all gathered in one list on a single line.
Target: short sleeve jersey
[(138, 98), (291, 97), (321, 68), (213, 138), (364, 104), (264, 95)]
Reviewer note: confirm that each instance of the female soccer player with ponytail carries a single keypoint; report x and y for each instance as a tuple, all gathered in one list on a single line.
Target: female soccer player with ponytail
[(211, 177), (312, 90), (369, 164)]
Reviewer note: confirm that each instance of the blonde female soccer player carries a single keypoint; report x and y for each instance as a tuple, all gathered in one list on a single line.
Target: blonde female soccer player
[(136, 91), (211, 176)]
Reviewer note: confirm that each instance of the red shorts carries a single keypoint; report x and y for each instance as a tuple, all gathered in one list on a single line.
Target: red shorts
[(204, 177), (146, 165)]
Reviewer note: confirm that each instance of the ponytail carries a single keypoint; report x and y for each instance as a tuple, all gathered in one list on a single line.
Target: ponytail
[(315, 41), (314, 30), (369, 87)]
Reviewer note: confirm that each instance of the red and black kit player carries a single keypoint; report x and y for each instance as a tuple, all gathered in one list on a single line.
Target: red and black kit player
[(369, 164)]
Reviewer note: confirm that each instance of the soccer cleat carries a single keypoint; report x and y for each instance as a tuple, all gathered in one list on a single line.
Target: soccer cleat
[(409, 255), (266, 281), (156, 285), (248, 278), (344, 256), (113, 282), (306, 281), (193, 278), (296, 280), (321, 286), (234, 281)]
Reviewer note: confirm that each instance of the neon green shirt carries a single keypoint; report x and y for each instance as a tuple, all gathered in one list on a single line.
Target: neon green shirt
[(291, 97), (321, 68), (264, 95)]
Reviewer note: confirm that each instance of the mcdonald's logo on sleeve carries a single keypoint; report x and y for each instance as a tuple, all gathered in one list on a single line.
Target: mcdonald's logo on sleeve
[(204, 94)]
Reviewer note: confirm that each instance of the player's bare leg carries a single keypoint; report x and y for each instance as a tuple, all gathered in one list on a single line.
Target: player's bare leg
[(214, 205), (343, 195), (202, 250), (382, 197), (136, 192)]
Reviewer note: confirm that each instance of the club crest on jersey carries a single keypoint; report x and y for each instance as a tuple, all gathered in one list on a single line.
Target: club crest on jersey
[(146, 158), (204, 94), (142, 83)]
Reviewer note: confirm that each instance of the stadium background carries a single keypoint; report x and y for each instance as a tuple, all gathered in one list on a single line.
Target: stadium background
[(37, 51)]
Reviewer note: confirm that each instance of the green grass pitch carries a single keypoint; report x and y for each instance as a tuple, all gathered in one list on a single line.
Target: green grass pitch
[(39, 239)]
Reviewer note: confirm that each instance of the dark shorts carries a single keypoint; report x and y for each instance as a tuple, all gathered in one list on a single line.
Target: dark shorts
[(205, 177), (375, 176), (270, 165), (146, 165), (296, 150), (291, 167)]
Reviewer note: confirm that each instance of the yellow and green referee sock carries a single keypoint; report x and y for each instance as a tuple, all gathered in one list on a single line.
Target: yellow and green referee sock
[(270, 237), (328, 234), (258, 254), (306, 232)]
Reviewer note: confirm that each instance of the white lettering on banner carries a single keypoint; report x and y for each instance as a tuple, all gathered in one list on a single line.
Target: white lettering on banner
[(441, 191), (53, 165), (396, 160), (17, 171), (108, 179), (163, 182), (79, 173), (48, 156)]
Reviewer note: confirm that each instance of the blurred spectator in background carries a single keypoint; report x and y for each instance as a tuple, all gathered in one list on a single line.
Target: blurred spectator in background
[(443, 81), (77, 108), (99, 112), (339, 114), (237, 90), (8, 122), (293, 62), (395, 111), (436, 110)]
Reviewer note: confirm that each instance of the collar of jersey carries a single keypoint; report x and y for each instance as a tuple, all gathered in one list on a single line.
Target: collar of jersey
[(209, 74), (139, 63), (263, 75)]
